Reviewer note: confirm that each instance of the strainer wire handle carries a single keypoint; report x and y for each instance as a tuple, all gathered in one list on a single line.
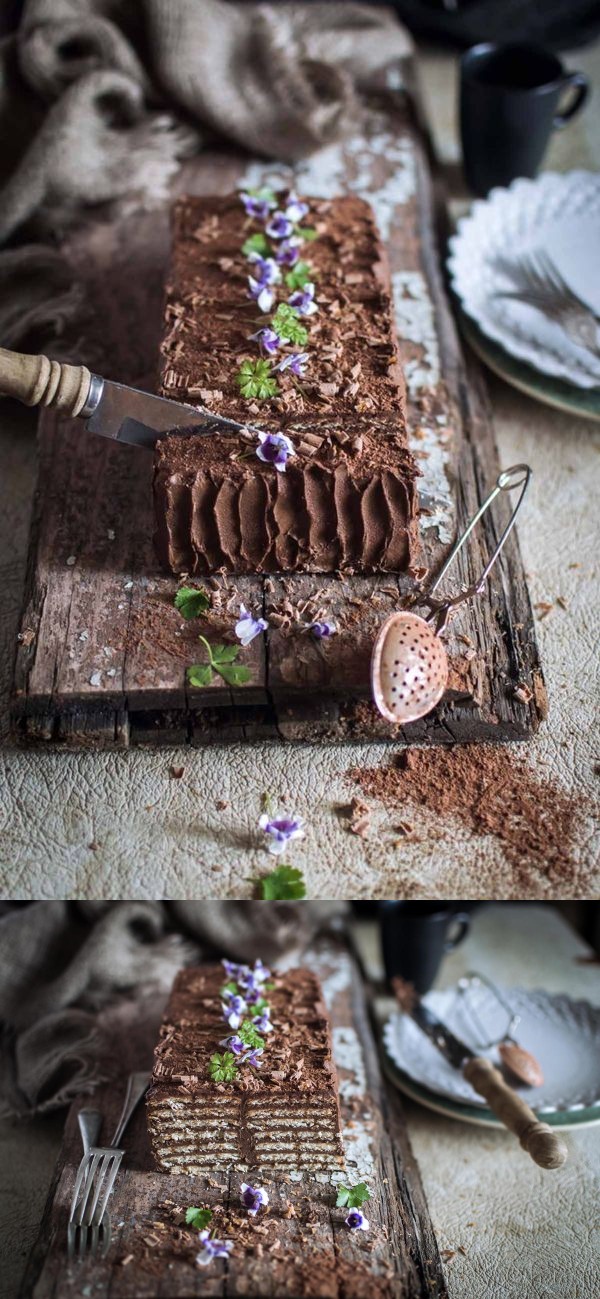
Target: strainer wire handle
[(507, 481)]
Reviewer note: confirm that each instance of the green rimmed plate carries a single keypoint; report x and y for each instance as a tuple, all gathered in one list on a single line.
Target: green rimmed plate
[(582, 402)]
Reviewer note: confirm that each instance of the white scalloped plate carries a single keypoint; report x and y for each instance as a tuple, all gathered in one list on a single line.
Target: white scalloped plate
[(560, 213), (562, 1034)]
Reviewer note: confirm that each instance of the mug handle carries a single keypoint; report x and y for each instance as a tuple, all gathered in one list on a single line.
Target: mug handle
[(463, 920), (580, 84)]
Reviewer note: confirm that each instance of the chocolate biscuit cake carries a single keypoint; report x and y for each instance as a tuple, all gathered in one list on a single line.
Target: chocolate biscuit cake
[(217, 1101), (343, 493)]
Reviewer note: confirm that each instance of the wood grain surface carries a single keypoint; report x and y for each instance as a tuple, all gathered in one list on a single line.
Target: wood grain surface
[(102, 653), (306, 1250)]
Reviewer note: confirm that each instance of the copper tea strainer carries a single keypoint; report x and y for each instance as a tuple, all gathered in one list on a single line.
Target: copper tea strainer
[(409, 668)]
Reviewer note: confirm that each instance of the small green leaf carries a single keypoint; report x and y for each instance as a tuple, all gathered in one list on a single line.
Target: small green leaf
[(235, 674), (200, 674), (283, 884), (257, 243), (352, 1197), (286, 323), (255, 380), (192, 601), (250, 1035), (223, 1068), (198, 1218), (229, 987), (307, 232), (263, 192), (300, 275), (225, 653)]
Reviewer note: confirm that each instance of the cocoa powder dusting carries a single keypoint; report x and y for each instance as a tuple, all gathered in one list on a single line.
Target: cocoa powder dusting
[(493, 791)]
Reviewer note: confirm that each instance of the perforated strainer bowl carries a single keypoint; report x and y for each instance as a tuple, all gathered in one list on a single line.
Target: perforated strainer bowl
[(409, 667)]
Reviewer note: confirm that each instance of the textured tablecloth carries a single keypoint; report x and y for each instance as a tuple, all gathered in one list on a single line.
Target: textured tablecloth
[(154, 835)]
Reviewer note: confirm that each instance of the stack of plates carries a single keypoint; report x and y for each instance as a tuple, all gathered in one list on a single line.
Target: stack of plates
[(563, 1035), (557, 213)]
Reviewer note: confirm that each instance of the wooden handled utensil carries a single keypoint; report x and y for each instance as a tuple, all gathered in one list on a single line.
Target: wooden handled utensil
[(541, 1142), (111, 409)]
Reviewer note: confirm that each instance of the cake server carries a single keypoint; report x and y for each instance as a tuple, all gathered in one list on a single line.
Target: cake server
[(409, 667), (545, 1146), (111, 409)]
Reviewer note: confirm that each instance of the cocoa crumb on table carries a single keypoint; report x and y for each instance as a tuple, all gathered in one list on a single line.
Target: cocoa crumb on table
[(491, 790)]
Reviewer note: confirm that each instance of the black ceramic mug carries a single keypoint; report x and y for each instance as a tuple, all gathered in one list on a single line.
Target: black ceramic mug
[(415, 936), (509, 104)]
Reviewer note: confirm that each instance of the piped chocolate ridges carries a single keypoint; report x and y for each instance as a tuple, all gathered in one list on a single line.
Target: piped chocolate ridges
[(281, 1117), (347, 499)]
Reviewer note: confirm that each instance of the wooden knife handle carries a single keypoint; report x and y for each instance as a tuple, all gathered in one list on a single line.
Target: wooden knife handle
[(540, 1141), (37, 381)]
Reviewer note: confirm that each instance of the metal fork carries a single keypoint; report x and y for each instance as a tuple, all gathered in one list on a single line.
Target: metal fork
[(89, 1224), (543, 287)]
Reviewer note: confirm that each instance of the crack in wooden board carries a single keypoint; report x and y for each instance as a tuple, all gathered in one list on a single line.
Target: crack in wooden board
[(102, 652), (319, 1257)]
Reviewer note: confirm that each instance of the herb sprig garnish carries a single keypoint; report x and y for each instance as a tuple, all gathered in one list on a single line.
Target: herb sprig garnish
[(284, 884), (221, 659), (198, 1218), (192, 601), (352, 1197)]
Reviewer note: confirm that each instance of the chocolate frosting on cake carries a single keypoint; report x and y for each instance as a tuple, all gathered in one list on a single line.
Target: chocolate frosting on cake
[(347, 499)]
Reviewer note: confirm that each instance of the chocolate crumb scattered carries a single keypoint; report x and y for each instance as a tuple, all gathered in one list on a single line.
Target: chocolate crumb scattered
[(493, 791)]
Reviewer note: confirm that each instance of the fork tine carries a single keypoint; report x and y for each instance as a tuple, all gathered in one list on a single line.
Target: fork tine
[(83, 1181), (95, 1186), (113, 1167)]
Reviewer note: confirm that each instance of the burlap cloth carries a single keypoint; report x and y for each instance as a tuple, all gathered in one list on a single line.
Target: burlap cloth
[(101, 99), (83, 985)]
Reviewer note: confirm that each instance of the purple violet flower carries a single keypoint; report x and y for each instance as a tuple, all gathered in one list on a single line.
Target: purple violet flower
[(253, 1197), (257, 207), (323, 629), (296, 209), (266, 269), (232, 969), (296, 363), (252, 1057), (302, 300), (260, 971), (248, 626), (263, 293), (279, 226), (263, 1022), (281, 831), (274, 449), (289, 251), (234, 1043), (212, 1248), (267, 338), (356, 1221), (233, 1009), (253, 995)]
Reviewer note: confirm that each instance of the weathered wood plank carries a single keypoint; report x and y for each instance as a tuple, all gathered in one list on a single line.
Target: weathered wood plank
[(302, 1246), (134, 655)]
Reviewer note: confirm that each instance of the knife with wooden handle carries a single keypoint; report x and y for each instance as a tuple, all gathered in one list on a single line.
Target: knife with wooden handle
[(542, 1142), (111, 409)]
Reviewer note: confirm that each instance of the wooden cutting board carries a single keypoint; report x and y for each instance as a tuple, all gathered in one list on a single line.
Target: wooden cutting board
[(306, 1251), (102, 652)]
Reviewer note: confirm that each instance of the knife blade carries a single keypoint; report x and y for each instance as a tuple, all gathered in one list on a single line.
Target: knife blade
[(545, 1146), (455, 1051), (130, 415), (110, 409)]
